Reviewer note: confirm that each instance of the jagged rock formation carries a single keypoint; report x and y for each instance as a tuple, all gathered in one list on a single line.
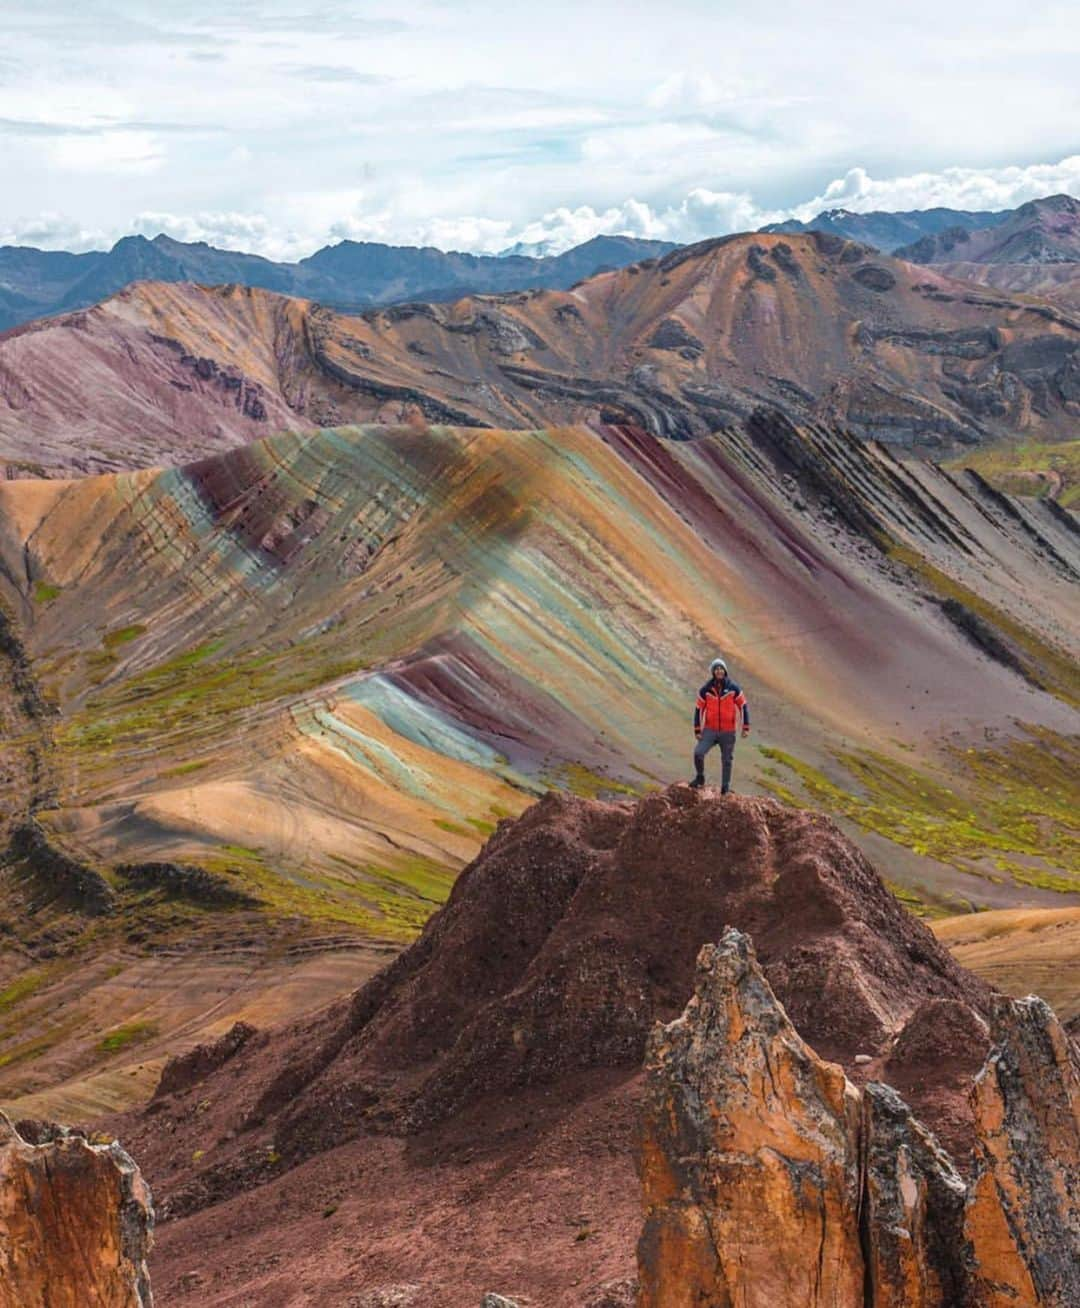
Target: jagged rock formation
[(683, 346), (750, 1161), (910, 1210), (75, 1223), (1023, 1215), (769, 1179)]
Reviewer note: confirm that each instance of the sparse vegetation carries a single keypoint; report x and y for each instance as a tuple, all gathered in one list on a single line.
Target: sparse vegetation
[(1030, 468), (130, 1033), (1042, 662), (185, 769), (482, 825), (1014, 812), (161, 703), (19, 989), (45, 592), (584, 782), (454, 828), (122, 635), (385, 901)]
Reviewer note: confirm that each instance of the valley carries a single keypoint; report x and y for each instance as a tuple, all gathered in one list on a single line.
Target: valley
[(320, 669), (309, 620)]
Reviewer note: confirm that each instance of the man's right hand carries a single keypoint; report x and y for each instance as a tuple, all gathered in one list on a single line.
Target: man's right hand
[(697, 735)]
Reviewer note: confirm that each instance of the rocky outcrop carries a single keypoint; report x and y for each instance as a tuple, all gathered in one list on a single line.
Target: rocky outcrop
[(769, 1179), (185, 881), (75, 1224), (1023, 1213), (182, 1071), (911, 1209), (874, 277), (61, 876), (573, 932), (750, 1148), (579, 926), (671, 334)]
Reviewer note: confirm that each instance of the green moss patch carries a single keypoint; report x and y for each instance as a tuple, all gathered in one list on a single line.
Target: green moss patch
[(19, 989), (482, 825), (185, 769), (121, 1037), (389, 901), (1021, 468), (122, 636), (45, 592), (584, 782), (168, 706), (454, 828)]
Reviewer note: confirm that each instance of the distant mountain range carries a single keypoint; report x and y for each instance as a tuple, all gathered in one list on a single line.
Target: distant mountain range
[(351, 275), (362, 274), (822, 328), (1040, 232), (888, 232), (1034, 249)]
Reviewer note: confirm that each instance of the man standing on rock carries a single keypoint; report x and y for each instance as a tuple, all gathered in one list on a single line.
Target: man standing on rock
[(720, 703)]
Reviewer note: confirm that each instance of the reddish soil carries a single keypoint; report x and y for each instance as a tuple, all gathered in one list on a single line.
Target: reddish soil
[(465, 1122), (524, 1196)]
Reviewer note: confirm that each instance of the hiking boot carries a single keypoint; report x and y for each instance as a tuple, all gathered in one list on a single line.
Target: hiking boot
[(697, 783)]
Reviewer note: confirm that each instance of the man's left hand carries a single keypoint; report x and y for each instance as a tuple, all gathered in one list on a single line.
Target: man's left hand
[(746, 731)]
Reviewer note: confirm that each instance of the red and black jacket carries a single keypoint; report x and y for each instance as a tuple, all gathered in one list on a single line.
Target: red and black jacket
[(718, 707)]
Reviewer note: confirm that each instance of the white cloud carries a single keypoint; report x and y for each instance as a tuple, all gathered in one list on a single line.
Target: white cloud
[(53, 231), (691, 93), (298, 223), (953, 188), (109, 152), (235, 231), (472, 122), (649, 145)]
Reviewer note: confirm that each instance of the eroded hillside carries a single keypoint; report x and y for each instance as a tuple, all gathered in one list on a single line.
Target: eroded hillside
[(683, 346), (286, 692)]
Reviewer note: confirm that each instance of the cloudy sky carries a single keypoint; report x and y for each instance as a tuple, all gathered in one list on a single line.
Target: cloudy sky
[(279, 125)]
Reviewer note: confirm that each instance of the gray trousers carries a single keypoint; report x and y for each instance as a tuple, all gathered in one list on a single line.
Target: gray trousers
[(726, 741)]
